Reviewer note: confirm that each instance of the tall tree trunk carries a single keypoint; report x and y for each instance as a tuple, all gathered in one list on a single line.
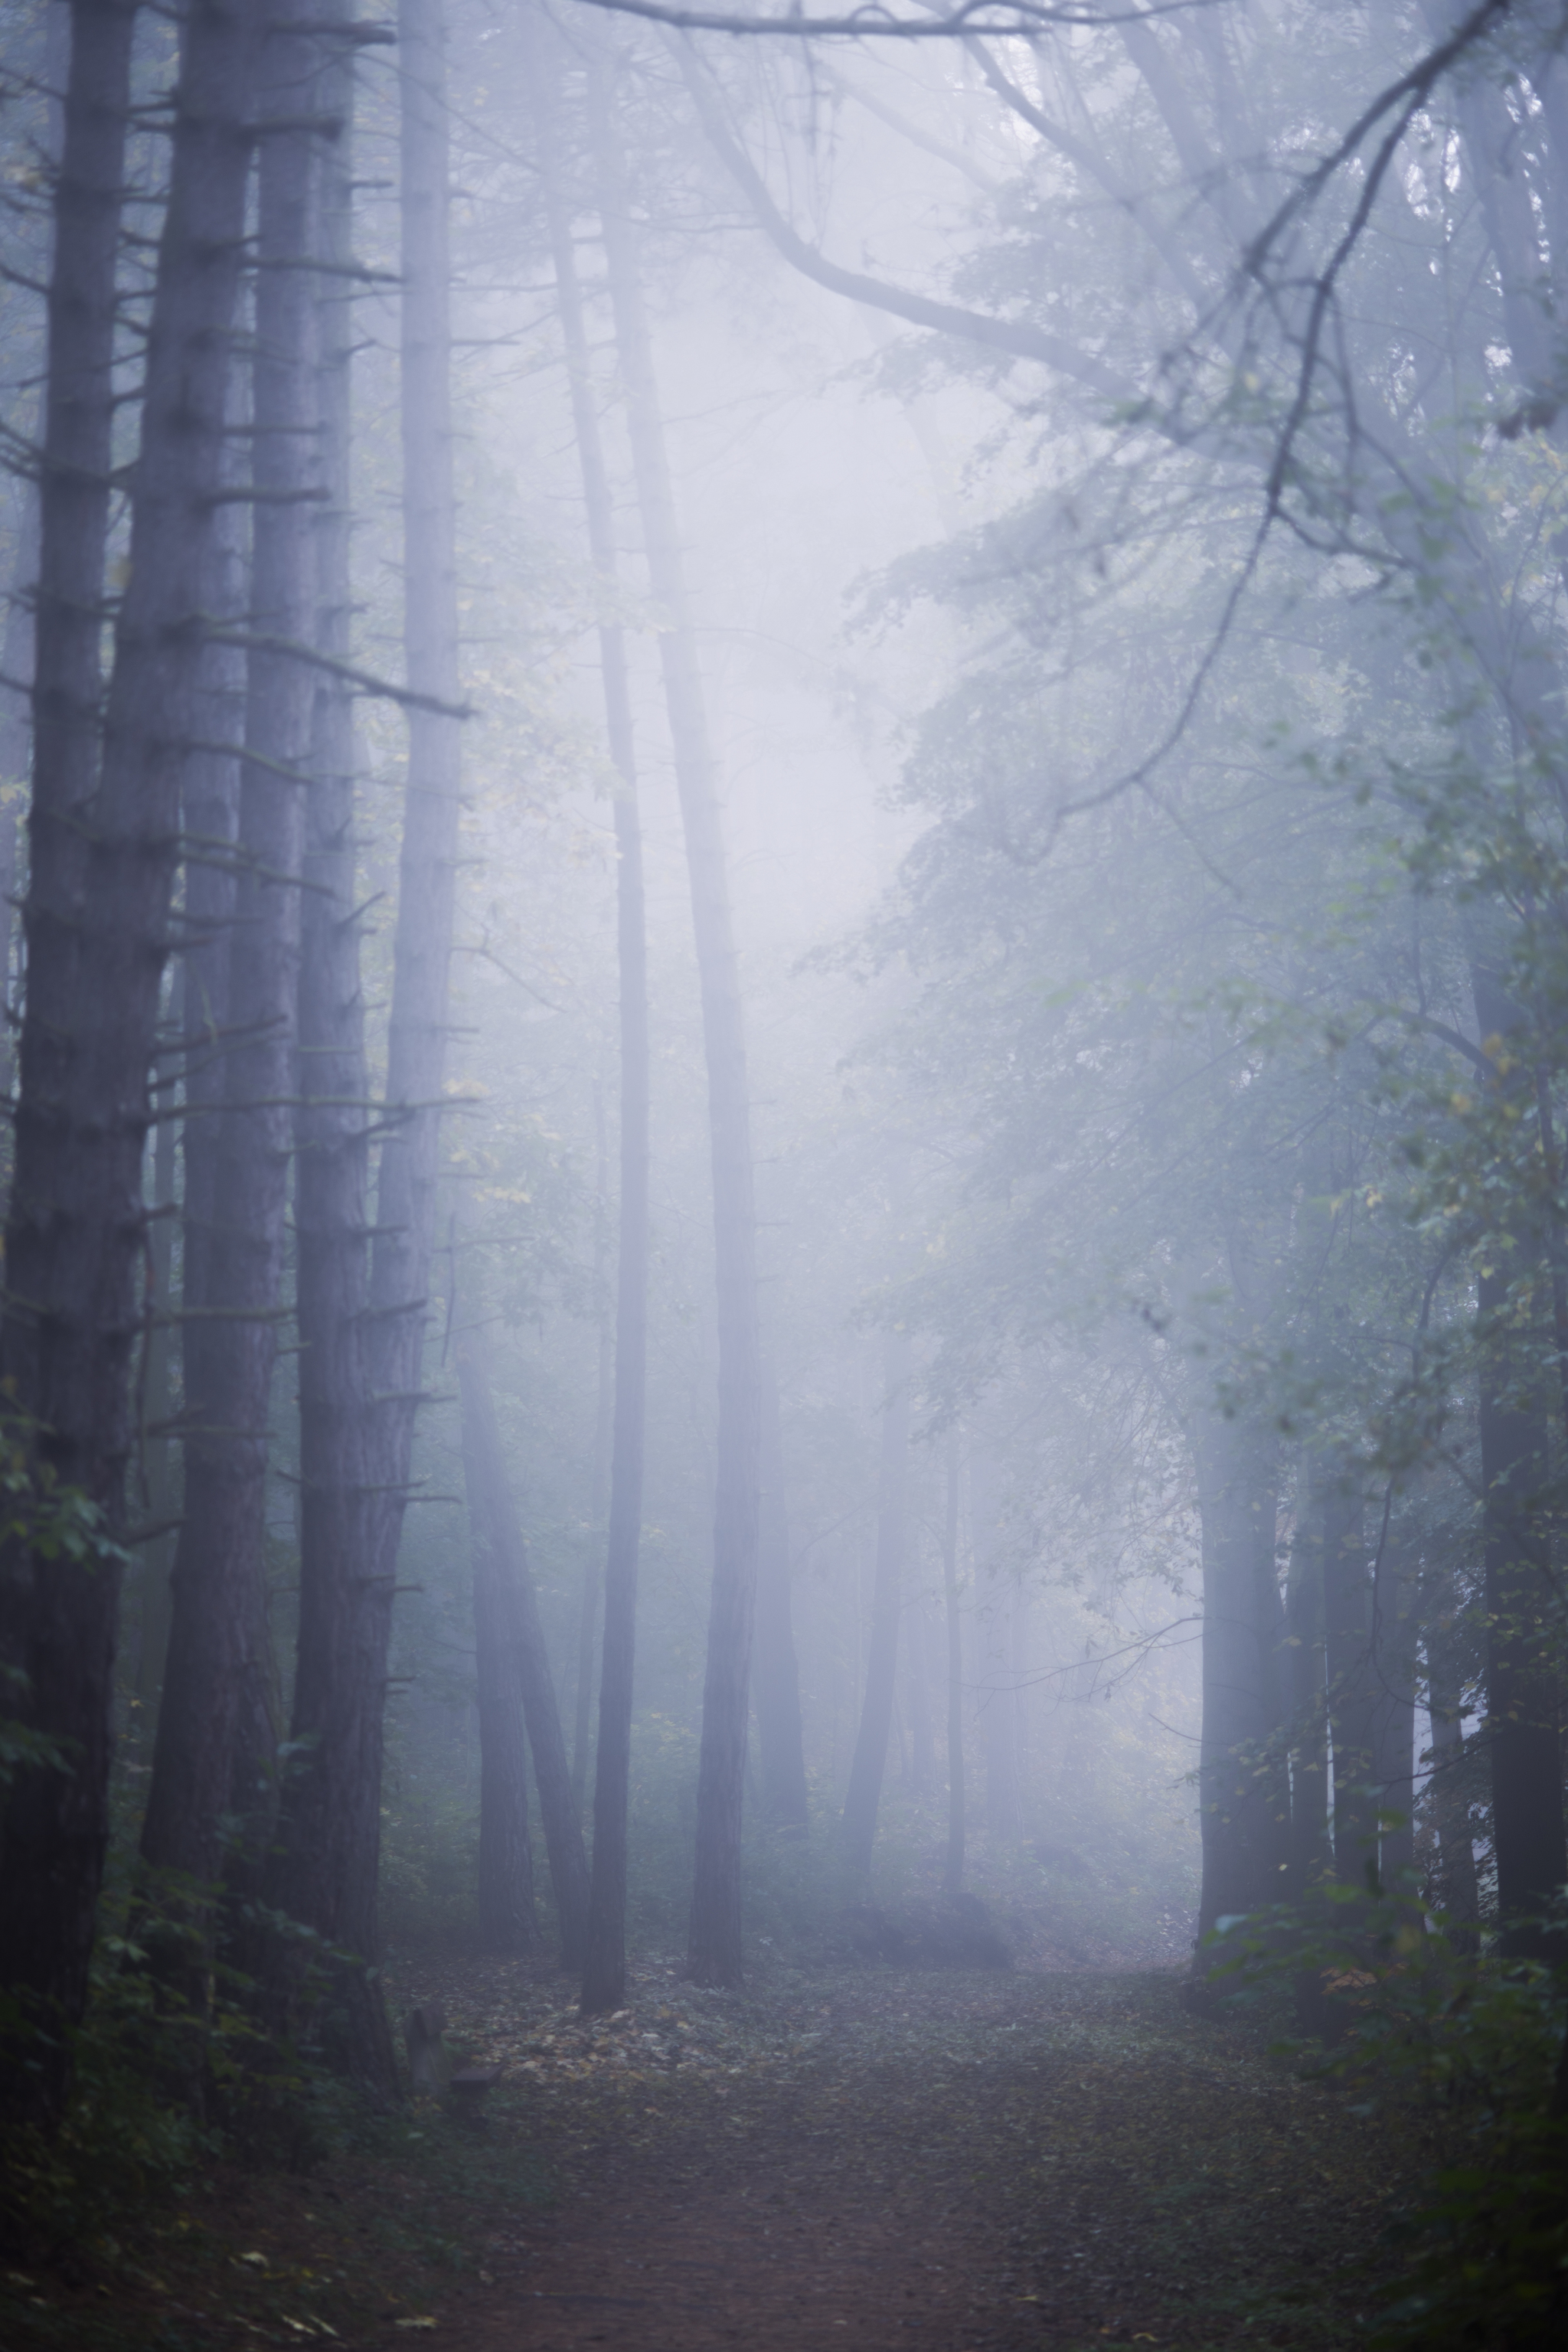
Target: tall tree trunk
[(713, 1953), (327, 1875), (318, 1870), (604, 1958), (217, 1736), (1308, 1700), (918, 1683), (483, 1450), (998, 1719), (1395, 1660), (18, 648), (952, 1866), (604, 1440), (506, 1850), (1457, 1890), (98, 919), (1351, 1677), (776, 1672), (868, 1762), (1241, 1755), (1524, 1690)]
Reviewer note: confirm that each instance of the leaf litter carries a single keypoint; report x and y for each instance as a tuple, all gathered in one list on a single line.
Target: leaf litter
[(946, 2162)]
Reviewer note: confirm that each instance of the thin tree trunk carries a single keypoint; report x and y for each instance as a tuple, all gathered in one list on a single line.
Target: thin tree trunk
[(713, 1953), (603, 1960), (318, 1868), (1308, 1719), (1244, 1839), (506, 1850), (918, 1682), (1351, 1682), (98, 918), (552, 1770), (604, 1439), (1395, 1660), (217, 1733), (19, 649), (1458, 1891), (1523, 1676), (776, 1671), (328, 1874), (953, 1867), (999, 1716), (863, 1796)]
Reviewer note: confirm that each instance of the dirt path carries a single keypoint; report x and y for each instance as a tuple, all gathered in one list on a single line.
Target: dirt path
[(1026, 2163)]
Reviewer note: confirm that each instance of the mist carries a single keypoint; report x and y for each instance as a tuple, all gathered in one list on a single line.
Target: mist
[(784, 1364)]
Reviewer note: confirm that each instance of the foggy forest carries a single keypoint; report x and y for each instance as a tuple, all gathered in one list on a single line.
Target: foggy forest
[(784, 1357)]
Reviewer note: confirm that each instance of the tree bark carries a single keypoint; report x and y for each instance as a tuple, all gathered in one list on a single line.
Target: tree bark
[(328, 1876), (604, 1957), (105, 842), (1245, 1837), (1351, 1679), (552, 1768), (1456, 1892), (1308, 1720), (1523, 1673), (1396, 1675), (506, 1850), (999, 1716), (217, 1736), (320, 1870), (863, 1796), (952, 1866), (713, 1952), (776, 1671)]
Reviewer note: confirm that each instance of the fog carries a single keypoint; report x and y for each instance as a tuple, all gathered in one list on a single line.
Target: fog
[(782, 828)]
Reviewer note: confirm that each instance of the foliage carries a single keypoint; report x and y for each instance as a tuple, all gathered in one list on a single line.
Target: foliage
[(1468, 2051)]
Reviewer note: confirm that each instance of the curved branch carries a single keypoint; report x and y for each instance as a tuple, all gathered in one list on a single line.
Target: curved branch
[(1013, 336)]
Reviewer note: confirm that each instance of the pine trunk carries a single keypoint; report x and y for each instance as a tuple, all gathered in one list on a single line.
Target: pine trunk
[(713, 1951), (953, 1865), (604, 1962), (869, 1763), (1242, 1807), (103, 863), (327, 1876), (506, 1850), (217, 1733), (485, 1457), (776, 1671)]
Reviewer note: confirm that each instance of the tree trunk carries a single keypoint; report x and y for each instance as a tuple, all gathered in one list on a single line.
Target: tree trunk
[(604, 1958), (953, 1867), (1350, 1678), (605, 1409), (482, 1450), (713, 1955), (1244, 1839), (328, 1876), (999, 1707), (319, 1870), (1395, 1631), (1309, 1720), (506, 1851), (867, 1765), (98, 919), (217, 1746), (1523, 1674), (776, 1671), (1456, 1892)]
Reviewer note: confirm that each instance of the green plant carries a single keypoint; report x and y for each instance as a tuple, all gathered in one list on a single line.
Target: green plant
[(1468, 2047)]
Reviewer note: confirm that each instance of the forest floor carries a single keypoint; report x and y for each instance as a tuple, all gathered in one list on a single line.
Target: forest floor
[(934, 2161)]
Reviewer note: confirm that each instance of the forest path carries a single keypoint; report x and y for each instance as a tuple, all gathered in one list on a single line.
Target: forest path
[(941, 2162), (933, 2162)]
